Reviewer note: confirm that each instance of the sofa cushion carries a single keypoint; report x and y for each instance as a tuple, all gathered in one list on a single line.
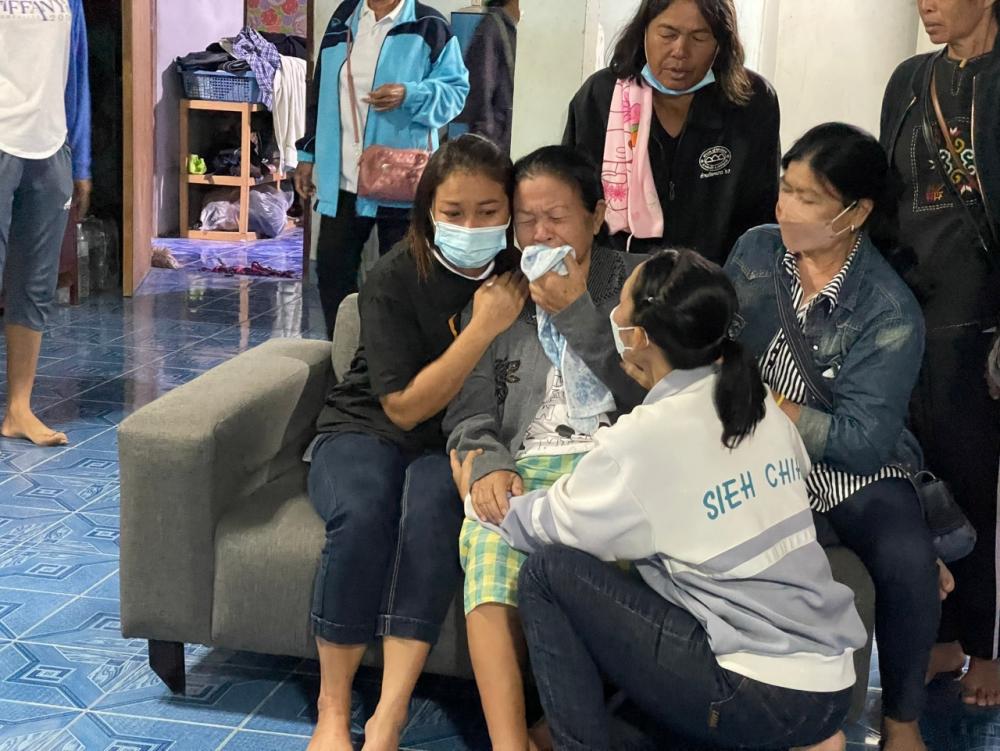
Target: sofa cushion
[(849, 570), (346, 335), (266, 554)]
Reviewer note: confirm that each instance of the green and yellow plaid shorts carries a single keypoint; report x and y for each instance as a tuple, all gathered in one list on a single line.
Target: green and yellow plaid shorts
[(491, 565)]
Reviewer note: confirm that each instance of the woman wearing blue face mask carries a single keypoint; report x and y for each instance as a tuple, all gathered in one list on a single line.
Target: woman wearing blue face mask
[(688, 137), (385, 573)]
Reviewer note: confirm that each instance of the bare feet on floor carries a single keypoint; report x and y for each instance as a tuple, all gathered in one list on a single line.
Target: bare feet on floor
[(384, 729), (945, 658), (981, 685), (901, 736), (333, 730), (25, 425), (836, 742)]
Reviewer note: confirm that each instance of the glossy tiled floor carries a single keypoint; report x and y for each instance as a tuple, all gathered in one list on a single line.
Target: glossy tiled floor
[(68, 681)]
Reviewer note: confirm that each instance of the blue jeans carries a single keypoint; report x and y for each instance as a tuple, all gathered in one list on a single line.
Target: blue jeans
[(390, 562), (586, 620), (883, 524)]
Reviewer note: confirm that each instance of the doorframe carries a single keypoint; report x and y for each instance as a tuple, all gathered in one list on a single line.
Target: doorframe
[(139, 155)]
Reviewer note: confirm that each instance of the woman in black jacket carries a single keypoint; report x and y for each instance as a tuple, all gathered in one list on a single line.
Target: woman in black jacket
[(941, 127), (701, 127)]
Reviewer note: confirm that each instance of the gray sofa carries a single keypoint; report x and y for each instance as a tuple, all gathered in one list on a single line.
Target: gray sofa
[(219, 542)]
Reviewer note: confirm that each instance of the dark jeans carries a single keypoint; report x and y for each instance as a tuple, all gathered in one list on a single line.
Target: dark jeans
[(959, 428), (884, 526), (585, 620), (342, 239), (390, 564)]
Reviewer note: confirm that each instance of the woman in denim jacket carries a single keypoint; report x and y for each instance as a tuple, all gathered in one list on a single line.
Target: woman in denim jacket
[(865, 334)]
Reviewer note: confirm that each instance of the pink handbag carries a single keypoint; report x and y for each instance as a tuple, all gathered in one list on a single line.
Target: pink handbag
[(386, 173)]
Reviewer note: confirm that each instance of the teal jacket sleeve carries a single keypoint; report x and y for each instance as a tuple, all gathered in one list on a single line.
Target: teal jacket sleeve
[(440, 97)]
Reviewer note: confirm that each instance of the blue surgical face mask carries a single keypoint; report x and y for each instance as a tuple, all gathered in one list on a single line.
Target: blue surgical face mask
[(469, 247), (647, 74)]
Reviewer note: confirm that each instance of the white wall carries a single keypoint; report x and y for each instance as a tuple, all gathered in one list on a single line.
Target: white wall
[(551, 67), (832, 60), (182, 26)]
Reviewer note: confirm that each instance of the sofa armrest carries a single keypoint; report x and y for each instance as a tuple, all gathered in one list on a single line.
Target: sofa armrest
[(188, 457)]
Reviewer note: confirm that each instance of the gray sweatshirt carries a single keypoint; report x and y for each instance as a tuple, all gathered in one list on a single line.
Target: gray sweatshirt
[(501, 398)]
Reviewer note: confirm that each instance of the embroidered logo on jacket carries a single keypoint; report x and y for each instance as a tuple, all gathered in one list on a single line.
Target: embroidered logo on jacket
[(505, 372), (714, 161)]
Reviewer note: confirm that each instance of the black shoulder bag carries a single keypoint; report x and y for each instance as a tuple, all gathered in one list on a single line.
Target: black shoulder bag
[(953, 534)]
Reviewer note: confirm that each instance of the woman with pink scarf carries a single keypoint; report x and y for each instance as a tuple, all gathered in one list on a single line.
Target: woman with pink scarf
[(688, 137)]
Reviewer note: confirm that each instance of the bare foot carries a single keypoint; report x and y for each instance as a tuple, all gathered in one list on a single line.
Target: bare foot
[(836, 742), (901, 736), (945, 658), (383, 731), (540, 737), (25, 425), (981, 685), (333, 730)]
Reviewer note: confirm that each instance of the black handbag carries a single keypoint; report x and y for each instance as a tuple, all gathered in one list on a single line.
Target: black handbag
[(953, 535)]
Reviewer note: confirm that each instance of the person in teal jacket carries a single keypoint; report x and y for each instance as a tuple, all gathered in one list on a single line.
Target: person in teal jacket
[(409, 81)]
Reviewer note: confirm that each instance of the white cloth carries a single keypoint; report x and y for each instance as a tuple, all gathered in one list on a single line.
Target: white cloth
[(550, 433), (34, 67), (289, 109), (364, 60)]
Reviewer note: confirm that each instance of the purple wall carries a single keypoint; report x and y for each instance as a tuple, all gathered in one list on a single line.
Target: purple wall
[(182, 26)]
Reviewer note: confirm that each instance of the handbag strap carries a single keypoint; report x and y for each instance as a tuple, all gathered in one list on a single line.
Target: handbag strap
[(930, 84), (798, 347), (354, 96)]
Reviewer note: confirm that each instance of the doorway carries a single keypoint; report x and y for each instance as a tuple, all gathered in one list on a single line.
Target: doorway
[(196, 173)]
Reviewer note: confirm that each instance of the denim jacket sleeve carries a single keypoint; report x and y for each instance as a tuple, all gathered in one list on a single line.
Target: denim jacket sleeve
[(473, 421), (871, 397)]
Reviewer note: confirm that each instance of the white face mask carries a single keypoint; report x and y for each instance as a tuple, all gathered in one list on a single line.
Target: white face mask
[(617, 330)]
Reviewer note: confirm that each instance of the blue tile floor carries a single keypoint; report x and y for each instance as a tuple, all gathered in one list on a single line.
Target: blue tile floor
[(68, 680)]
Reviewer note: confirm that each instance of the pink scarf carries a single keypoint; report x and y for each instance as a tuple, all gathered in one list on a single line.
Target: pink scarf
[(629, 189)]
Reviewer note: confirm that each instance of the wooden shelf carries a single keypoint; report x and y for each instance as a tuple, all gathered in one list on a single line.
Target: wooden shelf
[(234, 236), (244, 181), (214, 106), (230, 181)]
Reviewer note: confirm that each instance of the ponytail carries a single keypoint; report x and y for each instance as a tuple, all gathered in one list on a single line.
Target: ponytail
[(689, 309), (739, 394)]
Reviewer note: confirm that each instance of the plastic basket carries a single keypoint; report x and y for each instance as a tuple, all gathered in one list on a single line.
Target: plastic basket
[(221, 87)]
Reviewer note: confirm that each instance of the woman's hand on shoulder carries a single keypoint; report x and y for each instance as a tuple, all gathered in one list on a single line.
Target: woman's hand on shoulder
[(499, 301)]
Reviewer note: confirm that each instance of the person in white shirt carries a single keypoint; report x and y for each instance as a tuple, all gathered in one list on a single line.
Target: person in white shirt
[(389, 73), (737, 634), (44, 170)]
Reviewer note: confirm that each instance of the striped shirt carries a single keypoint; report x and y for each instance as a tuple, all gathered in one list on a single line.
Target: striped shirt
[(827, 486)]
